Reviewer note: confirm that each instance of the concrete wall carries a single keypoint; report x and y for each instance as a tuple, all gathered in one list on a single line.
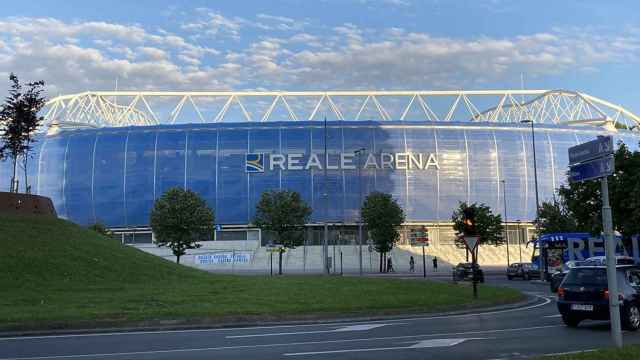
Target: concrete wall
[(308, 259)]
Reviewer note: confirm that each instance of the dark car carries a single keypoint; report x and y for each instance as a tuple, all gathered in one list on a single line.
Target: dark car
[(525, 271), (557, 277), (463, 271), (583, 294)]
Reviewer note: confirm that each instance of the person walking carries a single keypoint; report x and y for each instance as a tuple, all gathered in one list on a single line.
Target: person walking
[(390, 265), (435, 264), (412, 264)]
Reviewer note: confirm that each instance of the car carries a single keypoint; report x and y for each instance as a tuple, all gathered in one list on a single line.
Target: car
[(463, 271), (557, 277), (525, 271), (584, 294), (602, 261)]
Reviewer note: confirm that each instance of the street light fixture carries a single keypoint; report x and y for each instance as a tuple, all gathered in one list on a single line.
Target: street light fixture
[(535, 178), (359, 153), (506, 229)]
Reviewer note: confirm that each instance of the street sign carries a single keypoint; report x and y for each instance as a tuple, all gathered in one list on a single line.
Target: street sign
[(593, 169), (471, 242), (218, 227), (600, 147), (419, 237)]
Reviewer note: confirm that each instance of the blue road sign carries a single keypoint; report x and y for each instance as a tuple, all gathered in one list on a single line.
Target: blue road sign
[(593, 169), (600, 147), (218, 227)]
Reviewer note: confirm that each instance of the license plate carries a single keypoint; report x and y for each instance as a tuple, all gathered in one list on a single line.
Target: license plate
[(581, 307)]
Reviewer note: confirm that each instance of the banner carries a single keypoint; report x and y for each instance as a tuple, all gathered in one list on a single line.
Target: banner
[(227, 257)]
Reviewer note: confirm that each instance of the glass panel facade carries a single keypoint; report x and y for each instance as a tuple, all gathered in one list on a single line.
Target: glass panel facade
[(114, 175)]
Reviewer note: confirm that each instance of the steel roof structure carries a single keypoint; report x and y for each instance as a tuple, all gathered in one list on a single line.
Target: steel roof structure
[(142, 108)]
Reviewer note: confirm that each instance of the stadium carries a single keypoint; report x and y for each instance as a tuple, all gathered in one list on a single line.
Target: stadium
[(105, 156)]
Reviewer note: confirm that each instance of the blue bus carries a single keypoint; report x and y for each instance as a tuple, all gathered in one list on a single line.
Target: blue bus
[(558, 248)]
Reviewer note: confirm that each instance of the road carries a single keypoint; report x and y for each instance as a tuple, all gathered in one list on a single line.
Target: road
[(519, 333)]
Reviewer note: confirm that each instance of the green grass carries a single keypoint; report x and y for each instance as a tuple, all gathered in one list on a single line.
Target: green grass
[(626, 353), (56, 274)]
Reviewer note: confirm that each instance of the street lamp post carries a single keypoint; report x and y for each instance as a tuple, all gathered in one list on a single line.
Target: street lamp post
[(519, 242), (325, 241), (506, 229), (359, 152), (535, 179)]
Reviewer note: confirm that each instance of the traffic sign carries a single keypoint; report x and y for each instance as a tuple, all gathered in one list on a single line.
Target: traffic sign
[(593, 169), (218, 227), (471, 242), (600, 147)]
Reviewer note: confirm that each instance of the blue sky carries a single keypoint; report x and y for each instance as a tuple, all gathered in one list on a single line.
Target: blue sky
[(589, 46)]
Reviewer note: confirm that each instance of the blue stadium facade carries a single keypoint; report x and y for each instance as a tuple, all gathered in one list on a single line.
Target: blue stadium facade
[(113, 175)]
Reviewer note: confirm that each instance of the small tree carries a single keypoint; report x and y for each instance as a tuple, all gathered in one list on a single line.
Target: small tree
[(382, 216), (488, 226), (555, 217), (282, 213), (19, 120), (179, 219)]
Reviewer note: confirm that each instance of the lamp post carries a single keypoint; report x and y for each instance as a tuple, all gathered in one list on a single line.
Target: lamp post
[(535, 179), (359, 153), (325, 241), (506, 229), (519, 242)]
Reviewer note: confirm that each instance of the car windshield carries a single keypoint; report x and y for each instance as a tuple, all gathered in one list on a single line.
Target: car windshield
[(586, 276)]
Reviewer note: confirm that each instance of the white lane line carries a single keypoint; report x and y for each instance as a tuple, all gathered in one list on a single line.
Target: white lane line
[(280, 344), (419, 345), (151, 332), (360, 327), (553, 316)]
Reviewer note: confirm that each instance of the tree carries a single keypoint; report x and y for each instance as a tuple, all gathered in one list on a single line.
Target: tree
[(584, 201), (555, 217), (179, 219), (487, 225), (19, 120), (283, 214), (382, 216)]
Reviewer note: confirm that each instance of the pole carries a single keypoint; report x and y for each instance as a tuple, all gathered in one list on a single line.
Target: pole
[(340, 262), (520, 247), (424, 264), (612, 282), (359, 152), (543, 263), (474, 276), (325, 241), (271, 262), (506, 228)]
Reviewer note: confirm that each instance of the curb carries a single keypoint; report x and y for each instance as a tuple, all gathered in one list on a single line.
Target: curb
[(173, 325)]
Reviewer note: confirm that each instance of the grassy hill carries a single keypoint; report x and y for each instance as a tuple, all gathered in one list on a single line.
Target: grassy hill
[(56, 274)]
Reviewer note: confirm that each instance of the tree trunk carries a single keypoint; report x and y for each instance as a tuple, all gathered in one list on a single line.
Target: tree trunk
[(14, 188), (25, 159), (178, 259), (280, 261), (380, 261)]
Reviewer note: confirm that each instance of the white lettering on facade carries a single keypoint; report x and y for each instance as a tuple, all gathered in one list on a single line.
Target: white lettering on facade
[(371, 162), (386, 161), (401, 161), (313, 162), (294, 161), (346, 161), (277, 160)]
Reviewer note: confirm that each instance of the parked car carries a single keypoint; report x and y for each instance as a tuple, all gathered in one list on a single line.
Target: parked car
[(584, 294), (602, 261), (557, 277), (525, 271), (463, 271)]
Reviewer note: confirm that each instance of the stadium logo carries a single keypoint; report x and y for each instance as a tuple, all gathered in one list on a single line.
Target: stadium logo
[(254, 163)]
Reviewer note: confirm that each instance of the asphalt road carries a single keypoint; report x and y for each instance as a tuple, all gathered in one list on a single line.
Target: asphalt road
[(509, 334)]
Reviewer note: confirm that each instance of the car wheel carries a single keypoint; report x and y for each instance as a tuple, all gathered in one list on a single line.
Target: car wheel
[(631, 317), (509, 277), (570, 321)]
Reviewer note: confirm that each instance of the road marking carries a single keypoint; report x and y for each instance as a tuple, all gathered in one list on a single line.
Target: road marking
[(334, 323), (553, 316), (278, 344), (360, 327), (419, 345)]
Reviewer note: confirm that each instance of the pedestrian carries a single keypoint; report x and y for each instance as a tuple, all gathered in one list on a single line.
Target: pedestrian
[(412, 264), (435, 264), (390, 265)]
